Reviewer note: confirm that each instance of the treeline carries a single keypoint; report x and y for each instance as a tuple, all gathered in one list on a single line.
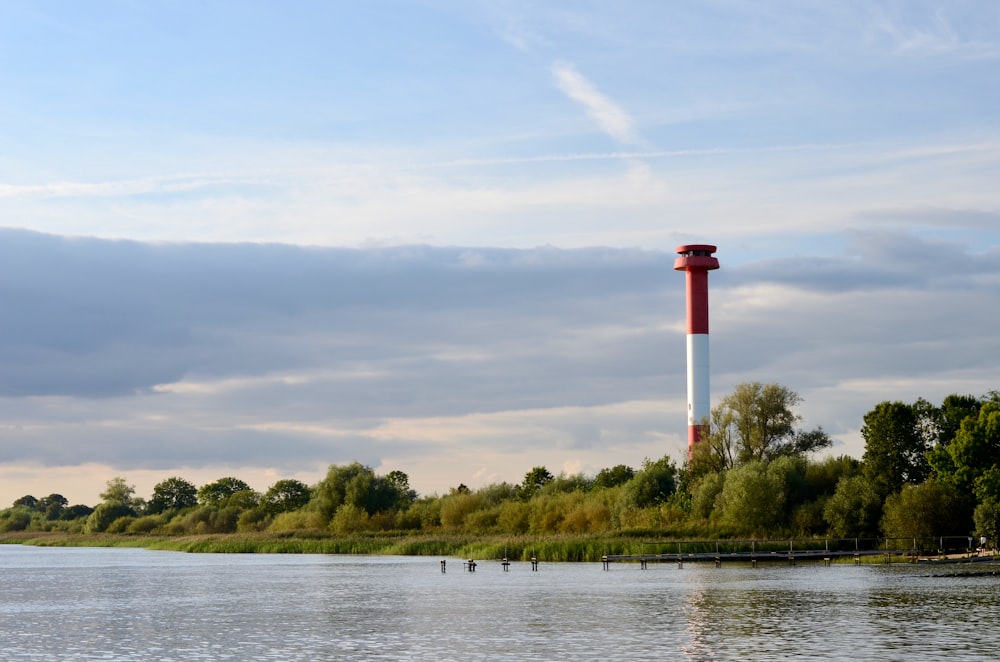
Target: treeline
[(927, 470)]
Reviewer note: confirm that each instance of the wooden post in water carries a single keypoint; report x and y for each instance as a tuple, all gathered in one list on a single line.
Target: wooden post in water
[(443, 564)]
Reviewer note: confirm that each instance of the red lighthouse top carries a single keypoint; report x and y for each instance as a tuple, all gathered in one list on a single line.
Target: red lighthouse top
[(695, 256)]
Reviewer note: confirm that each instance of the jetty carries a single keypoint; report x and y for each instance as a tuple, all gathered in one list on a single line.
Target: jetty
[(792, 551)]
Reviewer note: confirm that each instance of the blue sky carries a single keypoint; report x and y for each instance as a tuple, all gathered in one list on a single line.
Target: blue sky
[(456, 220)]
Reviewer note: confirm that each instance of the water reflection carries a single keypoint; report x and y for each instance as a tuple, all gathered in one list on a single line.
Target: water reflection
[(138, 605)]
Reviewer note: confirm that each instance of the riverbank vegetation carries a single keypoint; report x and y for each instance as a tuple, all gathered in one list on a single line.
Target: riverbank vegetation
[(927, 470)]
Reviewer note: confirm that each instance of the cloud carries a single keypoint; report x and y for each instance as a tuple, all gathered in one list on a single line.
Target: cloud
[(150, 357), (606, 113)]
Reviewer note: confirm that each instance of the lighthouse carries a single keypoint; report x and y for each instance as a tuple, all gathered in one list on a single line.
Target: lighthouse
[(696, 261)]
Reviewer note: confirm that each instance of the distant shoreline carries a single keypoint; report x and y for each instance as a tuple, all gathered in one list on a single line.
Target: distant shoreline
[(544, 548)]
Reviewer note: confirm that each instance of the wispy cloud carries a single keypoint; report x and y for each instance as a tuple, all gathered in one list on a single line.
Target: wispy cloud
[(610, 117)]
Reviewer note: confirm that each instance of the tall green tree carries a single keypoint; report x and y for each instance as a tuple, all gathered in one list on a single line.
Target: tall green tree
[(399, 482), (616, 475), (653, 484), (534, 480), (117, 491), (53, 505), (756, 422), (286, 495), (173, 493), (895, 447), (27, 501), (118, 500), (218, 492), (971, 462), (331, 492), (953, 410)]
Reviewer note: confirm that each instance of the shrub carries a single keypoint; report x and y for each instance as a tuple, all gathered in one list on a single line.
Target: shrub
[(15, 519), (104, 515), (146, 524), (120, 525), (256, 519), (349, 518)]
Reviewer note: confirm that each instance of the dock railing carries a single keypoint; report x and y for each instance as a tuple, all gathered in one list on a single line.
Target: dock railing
[(791, 550)]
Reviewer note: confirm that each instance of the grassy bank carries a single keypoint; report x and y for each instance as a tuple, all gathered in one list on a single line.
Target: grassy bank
[(551, 548)]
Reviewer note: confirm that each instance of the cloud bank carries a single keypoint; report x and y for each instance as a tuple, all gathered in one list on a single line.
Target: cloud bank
[(458, 364)]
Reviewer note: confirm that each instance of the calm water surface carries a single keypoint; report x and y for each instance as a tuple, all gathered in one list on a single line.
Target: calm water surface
[(130, 604)]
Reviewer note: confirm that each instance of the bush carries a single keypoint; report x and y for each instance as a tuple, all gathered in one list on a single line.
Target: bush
[(120, 525), (297, 520), (349, 518), (146, 524), (455, 508), (854, 509), (929, 509), (15, 519), (256, 519), (104, 515)]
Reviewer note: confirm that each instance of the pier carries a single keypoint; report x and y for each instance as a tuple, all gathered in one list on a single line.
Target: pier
[(792, 551)]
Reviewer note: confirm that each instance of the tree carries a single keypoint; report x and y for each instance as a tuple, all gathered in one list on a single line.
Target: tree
[(27, 501), (118, 492), (53, 505), (752, 500), (755, 422), (987, 520), (954, 410), (971, 462), (895, 448), (331, 492), (359, 486), (172, 494), (616, 475), (654, 483), (400, 483), (286, 495), (117, 501), (78, 511), (216, 493), (854, 509), (534, 480), (929, 509)]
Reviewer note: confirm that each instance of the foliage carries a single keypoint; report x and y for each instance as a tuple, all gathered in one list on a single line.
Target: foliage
[(359, 486), (987, 519), (285, 496), (613, 477), (752, 501), (654, 483), (971, 462), (854, 509), (216, 493), (895, 448), (105, 514), (759, 480), (15, 519), (929, 509), (118, 492), (172, 494), (755, 423), (533, 481)]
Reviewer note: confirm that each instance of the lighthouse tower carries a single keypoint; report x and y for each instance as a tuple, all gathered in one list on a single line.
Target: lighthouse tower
[(696, 261)]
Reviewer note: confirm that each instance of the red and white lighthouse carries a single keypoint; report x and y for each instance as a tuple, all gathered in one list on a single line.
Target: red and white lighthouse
[(696, 261)]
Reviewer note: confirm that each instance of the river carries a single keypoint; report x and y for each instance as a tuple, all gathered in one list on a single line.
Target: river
[(134, 604)]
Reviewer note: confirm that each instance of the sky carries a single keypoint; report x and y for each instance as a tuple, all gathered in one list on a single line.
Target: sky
[(255, 239)]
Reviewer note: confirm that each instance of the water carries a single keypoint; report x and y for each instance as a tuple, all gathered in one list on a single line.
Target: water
[(130, 604)]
